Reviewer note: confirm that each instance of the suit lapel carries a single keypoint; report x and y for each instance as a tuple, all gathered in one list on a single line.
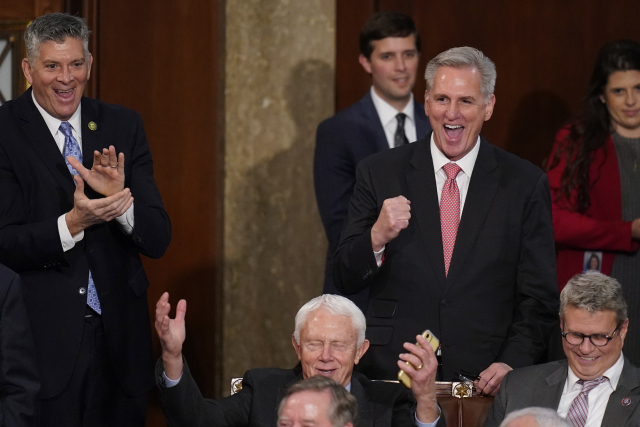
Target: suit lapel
[(424, 205), (550, 397), (372, 122), (365, 410), (34, 126), (624, 400), (482, 189), (90, 138)]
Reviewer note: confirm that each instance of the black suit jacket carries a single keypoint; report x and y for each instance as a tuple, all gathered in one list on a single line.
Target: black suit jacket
[(256, 405), (36, 189), (500, 299), (542, 385), (19, 383), (341, 142)]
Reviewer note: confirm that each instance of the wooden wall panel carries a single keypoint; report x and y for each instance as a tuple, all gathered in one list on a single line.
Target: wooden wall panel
[(17, 10), (353, 83), (163, 60), (543, 52)]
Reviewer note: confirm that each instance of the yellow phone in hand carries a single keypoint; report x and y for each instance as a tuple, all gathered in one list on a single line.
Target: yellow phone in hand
[(431, 339)]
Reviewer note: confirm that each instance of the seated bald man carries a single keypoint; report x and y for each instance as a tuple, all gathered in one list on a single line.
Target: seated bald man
[(329, 339)]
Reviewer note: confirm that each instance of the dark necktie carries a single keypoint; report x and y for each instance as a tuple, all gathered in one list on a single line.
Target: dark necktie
[(400, 137), (72, 148)]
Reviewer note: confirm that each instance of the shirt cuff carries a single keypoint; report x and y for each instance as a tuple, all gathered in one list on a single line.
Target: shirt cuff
[(126, 221), (421, 424), (168, 383), (67, 241), (379, 255)]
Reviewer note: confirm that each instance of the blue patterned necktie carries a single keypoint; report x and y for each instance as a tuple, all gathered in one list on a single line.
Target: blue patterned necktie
[(72, 148)]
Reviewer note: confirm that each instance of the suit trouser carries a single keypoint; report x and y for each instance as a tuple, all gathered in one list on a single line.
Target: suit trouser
[(93, 396)]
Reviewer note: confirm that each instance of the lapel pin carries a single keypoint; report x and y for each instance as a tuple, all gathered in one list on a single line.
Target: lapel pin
[(93, 126), (626, 401)]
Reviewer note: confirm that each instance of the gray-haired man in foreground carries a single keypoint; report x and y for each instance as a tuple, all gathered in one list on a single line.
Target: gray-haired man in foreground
[(596, 385), (318, 401)]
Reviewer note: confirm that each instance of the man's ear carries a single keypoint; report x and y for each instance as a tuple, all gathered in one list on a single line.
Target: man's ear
[(26, 69), (89, 66), (361, 351), (366, 64), (295, 346)]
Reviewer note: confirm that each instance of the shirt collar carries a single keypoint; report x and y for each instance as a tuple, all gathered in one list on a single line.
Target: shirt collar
[(613, 373), (348, 387), (388, 113), (466, 163), (54, 124)]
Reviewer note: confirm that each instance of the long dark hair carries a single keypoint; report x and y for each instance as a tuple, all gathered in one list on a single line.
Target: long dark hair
[(590, 131)]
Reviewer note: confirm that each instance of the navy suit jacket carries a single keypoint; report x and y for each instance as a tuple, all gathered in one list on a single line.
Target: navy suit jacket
[(19, 382), (380, 404), (499, 301), (36, 189), (341, 142), (542, 385)]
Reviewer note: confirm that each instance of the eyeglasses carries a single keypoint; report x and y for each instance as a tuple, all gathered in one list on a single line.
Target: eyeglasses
[(599, 340)]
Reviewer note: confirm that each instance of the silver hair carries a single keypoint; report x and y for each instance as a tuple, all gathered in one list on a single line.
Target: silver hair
[(343, 408), (336, 305), (55, 27), (594, 292), (544, 417), (464, 57)]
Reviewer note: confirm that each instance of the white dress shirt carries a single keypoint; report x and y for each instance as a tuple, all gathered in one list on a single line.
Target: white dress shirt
[(466, 163), (388, 114), (598, 397), (66, 239)]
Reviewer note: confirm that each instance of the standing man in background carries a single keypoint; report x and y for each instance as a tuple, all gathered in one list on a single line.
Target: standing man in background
[(386, 117), (67, 227)]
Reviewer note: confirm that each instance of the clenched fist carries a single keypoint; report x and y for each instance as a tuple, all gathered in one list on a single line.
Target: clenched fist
[(394, 217)]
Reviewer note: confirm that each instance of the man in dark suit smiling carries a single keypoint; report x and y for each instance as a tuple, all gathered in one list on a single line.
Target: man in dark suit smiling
[(453, 235), (387, 116), (67, 227)]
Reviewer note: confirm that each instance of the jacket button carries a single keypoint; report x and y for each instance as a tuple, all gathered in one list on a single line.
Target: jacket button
[(82, 291), (444, 303)]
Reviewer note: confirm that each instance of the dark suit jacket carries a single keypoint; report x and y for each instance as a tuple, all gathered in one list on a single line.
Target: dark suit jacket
[(542, 385), (341, 142), (36, 189), (19, 383), (500, 299), (256, 405)]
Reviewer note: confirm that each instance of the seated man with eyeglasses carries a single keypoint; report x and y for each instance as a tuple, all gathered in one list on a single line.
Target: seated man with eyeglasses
[(596, 385)]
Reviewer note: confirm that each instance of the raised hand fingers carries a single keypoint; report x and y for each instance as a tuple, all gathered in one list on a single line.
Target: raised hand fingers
[(108, 157), (181, 310), (121, 163)]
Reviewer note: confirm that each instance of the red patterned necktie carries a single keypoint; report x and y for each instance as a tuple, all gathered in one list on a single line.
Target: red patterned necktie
[(449, 212), (579, 409)]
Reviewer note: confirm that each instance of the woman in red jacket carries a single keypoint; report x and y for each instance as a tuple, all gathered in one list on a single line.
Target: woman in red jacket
[(594, 177)]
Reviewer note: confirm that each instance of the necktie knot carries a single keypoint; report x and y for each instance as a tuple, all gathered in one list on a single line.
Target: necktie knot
[(65, 128), (589, 385), (452, 170), (400, 117)]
